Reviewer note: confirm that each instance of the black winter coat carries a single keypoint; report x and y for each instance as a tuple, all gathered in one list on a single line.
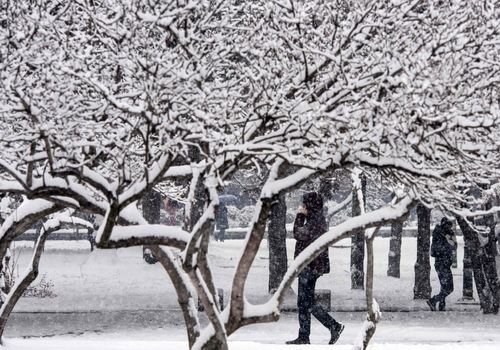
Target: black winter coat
[(306, 229), (441, 248)]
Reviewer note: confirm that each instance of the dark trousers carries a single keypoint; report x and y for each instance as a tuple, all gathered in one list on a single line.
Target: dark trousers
[(443, 269), (307, 305), (220, 235)]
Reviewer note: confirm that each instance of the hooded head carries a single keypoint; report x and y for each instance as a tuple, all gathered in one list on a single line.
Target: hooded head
[(446, 222), (313, 202)]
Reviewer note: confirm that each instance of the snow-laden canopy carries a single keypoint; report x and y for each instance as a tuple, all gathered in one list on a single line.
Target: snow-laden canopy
[(101, 101)]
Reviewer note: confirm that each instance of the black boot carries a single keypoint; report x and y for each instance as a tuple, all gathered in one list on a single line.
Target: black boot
[(442, 305), (432, 304), (299, 341), (335, 332)]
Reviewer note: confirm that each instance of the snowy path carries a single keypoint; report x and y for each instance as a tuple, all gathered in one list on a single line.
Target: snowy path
[(110, 300), (163, 330)]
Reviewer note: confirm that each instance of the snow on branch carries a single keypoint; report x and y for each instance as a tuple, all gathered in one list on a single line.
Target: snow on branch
[(397, 163), (152, 176), (28, 208), (275, 187), (125, 236)]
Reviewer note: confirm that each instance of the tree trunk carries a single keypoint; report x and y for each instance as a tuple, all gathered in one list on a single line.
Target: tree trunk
[(394, 262), (468, 275), (24, 282), (358, 241), (184, 294), (197, 207), (472, 241), (422, 288), (276, 238), (373, 311), (483, 267)]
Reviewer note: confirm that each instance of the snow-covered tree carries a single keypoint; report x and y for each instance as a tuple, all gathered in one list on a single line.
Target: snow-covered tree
[(100, 101)]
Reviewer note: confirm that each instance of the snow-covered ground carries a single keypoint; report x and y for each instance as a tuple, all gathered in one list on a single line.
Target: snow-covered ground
[(114, 300)]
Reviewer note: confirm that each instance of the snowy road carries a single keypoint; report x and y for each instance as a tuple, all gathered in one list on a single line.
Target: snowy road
[(113, 297), (400, 327)]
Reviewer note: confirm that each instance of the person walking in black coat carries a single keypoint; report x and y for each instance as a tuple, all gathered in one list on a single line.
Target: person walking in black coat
[(443, 247), (310, 223)]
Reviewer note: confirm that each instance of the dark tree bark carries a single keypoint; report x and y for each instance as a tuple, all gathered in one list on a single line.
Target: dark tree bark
[(27, 278), (276, 238), (394, 262), (422, 288), (483, 267), (184, 296), (468, 274), (472, 241), (358, 242), (373, 314), (30, 275)]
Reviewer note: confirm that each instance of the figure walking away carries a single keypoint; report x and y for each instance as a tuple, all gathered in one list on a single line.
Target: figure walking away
[(443, 246), (221, 222), (310, 223)]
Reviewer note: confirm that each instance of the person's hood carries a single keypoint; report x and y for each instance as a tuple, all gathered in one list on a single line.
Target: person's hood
[(313, 201), (446, 222)]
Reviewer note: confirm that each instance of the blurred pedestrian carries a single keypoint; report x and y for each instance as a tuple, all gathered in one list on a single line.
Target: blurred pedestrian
[(221, 223), (171, 208), (310, 223), (443, 245)]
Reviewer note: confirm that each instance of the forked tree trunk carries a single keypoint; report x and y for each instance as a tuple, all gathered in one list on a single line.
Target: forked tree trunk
[(276, 238), (484, 269), (24, 282), (422, 288)]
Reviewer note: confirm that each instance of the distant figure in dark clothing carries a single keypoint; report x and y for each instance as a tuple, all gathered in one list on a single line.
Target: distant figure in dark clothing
[(221, 222), (443, 246), (171, 208), (151, 204), (309, 224)]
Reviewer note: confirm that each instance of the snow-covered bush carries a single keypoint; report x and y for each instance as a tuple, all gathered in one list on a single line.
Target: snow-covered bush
[(239, 217), (43, 289)]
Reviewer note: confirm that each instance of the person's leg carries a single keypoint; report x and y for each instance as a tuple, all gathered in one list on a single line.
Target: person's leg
[(445, 276), (328, 321), (222, 233), (323, 316), (433, 300), (305, 302)]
